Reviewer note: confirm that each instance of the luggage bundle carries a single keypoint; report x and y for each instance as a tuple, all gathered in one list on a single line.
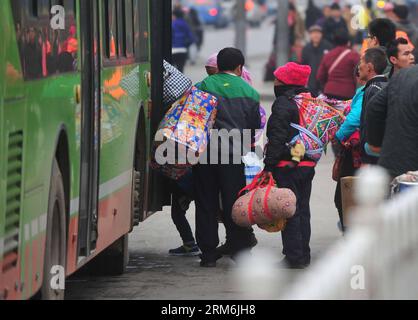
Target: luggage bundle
[(186, 126), (264, 205), (319, 122), (175, 84)]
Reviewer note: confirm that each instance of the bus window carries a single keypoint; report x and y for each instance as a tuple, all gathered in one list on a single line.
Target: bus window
[(111, 29), (128, 9), (44, 51), (141, 30)]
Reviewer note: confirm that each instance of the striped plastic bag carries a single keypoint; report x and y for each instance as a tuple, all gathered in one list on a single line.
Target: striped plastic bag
[(253, 166)]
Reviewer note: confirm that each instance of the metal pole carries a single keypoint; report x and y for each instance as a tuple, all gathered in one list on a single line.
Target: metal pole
[(282, 36), (241, 26)]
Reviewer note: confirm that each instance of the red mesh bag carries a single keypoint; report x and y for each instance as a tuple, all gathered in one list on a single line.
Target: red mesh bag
[(264, 203)]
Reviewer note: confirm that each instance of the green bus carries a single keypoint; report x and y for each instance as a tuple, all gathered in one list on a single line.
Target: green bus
[(80, 101)]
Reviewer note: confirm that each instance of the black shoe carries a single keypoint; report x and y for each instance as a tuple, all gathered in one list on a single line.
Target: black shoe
[(209, 262), (226, 249), (185, 251), (287, 264)]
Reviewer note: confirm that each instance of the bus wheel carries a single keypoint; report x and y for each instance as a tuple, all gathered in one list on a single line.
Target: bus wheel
[(53, 284), (112, 261)]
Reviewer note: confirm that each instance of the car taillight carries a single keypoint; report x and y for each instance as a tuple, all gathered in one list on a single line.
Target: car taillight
[(213, 12), (249, 5)]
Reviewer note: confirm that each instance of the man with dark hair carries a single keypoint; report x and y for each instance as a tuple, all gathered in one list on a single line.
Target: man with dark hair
[(372, 66), (400, 54), (334, 24), (392, 124), (230, 59), (238, 110), (381, 32), (400, 16)]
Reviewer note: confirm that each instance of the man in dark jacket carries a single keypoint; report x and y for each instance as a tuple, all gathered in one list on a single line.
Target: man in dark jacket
[(291, 80), (312, 56), (334, 23), (238, 112), (392, 126), (372, 65)]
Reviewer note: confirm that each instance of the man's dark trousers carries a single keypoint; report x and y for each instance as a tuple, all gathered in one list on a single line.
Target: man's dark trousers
[(297, 234), (210, 181)]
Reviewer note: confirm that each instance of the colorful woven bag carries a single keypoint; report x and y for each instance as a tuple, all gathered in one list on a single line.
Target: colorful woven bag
[(187, 125), (319, 122)]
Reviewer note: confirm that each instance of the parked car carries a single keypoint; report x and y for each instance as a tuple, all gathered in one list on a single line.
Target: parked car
[(210, 12), (256, 11)]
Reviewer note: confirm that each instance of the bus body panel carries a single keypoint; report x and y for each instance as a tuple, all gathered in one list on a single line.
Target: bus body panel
[(43, 109)]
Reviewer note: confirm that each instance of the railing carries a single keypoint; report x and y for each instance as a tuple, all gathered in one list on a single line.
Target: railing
[(378, 257)]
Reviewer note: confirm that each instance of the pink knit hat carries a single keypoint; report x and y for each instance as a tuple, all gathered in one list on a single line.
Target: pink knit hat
[(212, 61), (246, 75), (293, 74)]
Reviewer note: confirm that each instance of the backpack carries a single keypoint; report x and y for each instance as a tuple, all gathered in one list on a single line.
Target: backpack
[(319, 122)]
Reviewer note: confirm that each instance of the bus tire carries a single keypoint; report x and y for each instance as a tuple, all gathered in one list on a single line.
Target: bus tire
[(112, 261), (55, 245)]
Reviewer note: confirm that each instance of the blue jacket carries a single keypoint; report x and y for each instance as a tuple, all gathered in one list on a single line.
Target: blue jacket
[(182, 34), (352, 123)]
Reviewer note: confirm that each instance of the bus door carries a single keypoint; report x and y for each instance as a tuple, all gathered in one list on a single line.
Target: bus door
[(90, 127), (159, 191)]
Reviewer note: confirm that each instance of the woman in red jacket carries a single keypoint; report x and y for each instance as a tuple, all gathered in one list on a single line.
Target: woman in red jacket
[(336, 72)]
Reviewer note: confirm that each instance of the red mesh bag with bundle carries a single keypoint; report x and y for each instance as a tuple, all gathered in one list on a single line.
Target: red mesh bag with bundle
[(264, 203)]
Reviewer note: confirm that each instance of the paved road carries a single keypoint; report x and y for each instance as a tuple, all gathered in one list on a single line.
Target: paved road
[(152, 274)]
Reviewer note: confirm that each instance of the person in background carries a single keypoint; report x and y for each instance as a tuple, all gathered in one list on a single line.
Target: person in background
[(296, 24), (348, 145), (337, 68), (392, 123), (313, 14), (348, 16), (238, 109), (372, 66), (400, 54), (291, 80), (401, 15), (182, 39), (381, 32), (312, 55), (326, 13), (352, 122), (334, 24), (296, 34), (196, 26)]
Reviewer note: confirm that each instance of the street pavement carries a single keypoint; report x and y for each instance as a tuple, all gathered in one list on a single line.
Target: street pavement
[(153, 274)]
